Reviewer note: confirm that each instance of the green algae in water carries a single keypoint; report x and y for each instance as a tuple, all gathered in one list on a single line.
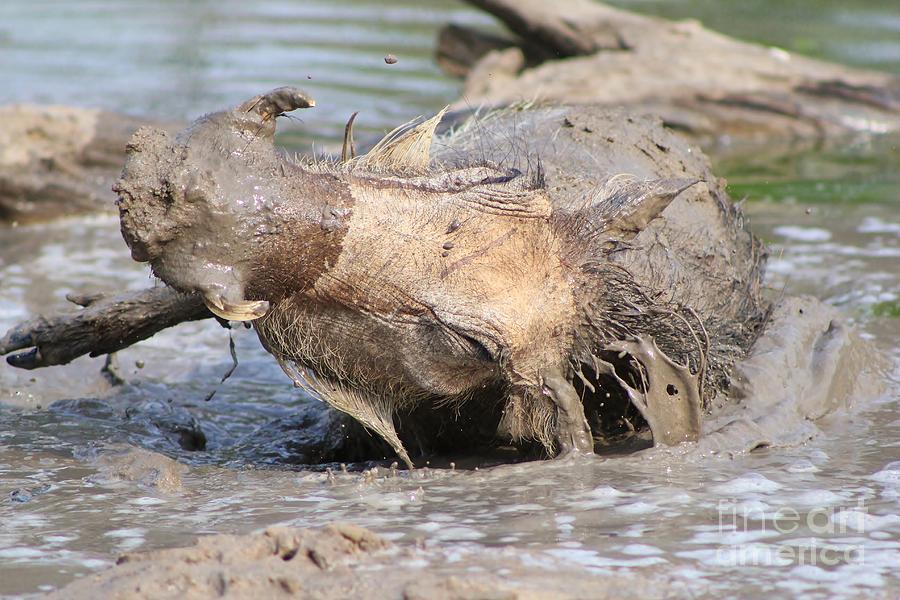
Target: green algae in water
[(856, 171), (819, 192), (888, 308)]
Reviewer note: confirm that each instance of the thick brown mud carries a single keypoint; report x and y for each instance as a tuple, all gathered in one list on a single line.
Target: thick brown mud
[(342, 561)]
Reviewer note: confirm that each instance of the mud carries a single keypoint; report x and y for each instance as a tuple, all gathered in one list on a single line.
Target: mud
[(340, 561), (147, 469), (669, 399), (58, 161), (775, 407)]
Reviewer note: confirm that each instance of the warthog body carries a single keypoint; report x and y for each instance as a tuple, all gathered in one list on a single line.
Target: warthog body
[(535, 274)]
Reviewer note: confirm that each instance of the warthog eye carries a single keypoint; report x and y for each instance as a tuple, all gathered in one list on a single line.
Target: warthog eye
[(479, 350), (465, 339), (475, 346)]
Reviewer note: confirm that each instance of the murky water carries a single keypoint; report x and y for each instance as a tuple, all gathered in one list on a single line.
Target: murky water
[(821, 519)]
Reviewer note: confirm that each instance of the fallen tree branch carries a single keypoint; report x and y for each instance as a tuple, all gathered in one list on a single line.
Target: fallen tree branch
[(105, 325), (578, 28), (727, 95)]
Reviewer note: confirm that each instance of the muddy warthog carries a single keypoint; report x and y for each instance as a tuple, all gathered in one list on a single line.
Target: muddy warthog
[(554, 276)]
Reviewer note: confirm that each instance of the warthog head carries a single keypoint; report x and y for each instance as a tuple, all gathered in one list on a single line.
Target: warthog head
[(384, 282)]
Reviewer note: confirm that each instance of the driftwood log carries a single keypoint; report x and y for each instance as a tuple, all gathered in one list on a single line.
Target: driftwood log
[(103, 326), (709, 86)]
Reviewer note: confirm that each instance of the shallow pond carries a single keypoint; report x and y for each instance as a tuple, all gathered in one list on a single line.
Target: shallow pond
[(708, 527)]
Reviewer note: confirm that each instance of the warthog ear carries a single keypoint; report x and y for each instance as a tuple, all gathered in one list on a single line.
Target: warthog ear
[(624, 205), (404, 151), (275, 103)]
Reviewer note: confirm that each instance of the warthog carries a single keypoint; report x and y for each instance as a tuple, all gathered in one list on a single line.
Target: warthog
[(553, 276)]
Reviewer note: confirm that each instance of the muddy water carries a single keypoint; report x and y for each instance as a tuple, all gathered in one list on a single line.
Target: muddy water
[(821, 519), (708, 524)]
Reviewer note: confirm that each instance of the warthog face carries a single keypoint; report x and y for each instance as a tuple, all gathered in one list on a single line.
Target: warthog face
[(196, 206), (383, 281)]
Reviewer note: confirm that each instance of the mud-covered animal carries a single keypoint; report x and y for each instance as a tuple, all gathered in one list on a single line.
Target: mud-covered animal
[(552, 276)]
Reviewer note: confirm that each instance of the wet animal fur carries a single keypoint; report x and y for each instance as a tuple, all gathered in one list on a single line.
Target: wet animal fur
[(615, 309), (552, 294)]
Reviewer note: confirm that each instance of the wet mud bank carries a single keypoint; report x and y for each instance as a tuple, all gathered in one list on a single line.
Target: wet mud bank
[(342, 561), (58, 161)]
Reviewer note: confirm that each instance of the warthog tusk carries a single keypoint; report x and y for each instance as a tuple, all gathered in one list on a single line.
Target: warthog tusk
[(245, 310), (348, 151)]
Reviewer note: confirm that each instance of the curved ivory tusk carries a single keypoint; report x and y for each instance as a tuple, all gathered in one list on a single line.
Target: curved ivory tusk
[(348, 150), (245, 310)]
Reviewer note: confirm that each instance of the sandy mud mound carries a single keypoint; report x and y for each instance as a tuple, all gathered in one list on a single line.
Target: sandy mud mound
[(57, 161), (342, 561)]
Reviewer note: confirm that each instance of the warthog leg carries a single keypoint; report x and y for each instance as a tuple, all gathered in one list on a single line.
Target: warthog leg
[(573, 434)]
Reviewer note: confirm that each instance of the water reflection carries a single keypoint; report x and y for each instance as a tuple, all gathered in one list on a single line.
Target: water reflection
[(177, 60)]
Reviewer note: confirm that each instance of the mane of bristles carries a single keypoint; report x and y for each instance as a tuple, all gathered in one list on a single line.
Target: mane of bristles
[(409, 150), (485, 132), (404, 151)]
